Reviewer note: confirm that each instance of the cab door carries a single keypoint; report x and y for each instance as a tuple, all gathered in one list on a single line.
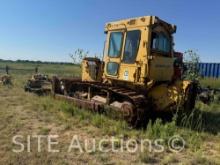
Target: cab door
[(122, 51), (161, 59), (128, 68), (113, 54)]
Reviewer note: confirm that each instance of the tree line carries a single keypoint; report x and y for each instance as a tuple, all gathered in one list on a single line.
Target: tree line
[(37, 62)]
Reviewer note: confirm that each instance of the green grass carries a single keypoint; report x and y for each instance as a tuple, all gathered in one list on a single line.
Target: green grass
[(50, 69), (26, 113), (213, 83)]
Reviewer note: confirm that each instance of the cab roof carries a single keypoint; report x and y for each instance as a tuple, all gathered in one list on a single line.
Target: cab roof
[(138, 22)]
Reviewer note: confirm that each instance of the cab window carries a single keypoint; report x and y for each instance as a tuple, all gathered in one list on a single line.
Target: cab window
[(131, 46), (115, 44), (112, 68), (160, 42)]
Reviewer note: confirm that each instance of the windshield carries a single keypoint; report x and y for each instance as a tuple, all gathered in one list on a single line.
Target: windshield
[(115, 44), (160, 42)]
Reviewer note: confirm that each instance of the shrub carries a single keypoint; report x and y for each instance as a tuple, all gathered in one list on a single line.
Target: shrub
[(191, 59)]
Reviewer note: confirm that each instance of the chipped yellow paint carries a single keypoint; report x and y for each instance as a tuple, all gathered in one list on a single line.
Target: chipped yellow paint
[(149, 67)]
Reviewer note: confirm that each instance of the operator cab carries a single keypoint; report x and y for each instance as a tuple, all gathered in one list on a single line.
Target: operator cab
[(139, 50)]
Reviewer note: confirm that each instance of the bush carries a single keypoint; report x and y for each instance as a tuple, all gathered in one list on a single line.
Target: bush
[(191, 59)]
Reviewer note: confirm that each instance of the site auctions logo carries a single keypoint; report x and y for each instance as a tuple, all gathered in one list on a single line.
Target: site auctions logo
[(112, 144)]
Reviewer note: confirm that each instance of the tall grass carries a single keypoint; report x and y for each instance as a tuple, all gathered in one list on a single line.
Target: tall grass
[(190, 127), (211, 82), (50, 69), (192, 121)]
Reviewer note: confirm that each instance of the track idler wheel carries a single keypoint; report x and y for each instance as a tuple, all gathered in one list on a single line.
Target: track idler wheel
[(136, 117)]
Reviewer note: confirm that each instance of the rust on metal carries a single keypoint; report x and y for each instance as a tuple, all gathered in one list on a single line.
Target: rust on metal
[(85, 104), (135, 103)]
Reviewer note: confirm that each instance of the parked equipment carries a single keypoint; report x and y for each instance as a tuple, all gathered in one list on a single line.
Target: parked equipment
[(6, 79), (138, 76), (39, 84)]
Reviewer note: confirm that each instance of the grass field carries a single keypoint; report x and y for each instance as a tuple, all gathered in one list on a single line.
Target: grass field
[(214, 83), (28, 114), (50, 69)]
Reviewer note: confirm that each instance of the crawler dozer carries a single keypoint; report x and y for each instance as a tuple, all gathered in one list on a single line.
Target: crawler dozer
[(139, 75)]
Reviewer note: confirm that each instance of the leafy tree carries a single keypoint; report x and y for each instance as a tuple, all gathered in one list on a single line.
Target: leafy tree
[(78, 56)]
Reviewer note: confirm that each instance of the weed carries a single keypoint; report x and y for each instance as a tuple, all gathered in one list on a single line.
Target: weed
[(44, 131), (104, 158), (147, 157), (192, 121), (169, 159), (97, 120), (200, 159), (160, 130), (67, 108)]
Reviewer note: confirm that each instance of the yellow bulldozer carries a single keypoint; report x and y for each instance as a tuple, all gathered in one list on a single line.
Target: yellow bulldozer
[(139, 75)]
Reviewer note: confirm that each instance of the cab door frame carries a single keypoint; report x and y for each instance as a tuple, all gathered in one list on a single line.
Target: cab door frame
[(116, 59), (160, 64)]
